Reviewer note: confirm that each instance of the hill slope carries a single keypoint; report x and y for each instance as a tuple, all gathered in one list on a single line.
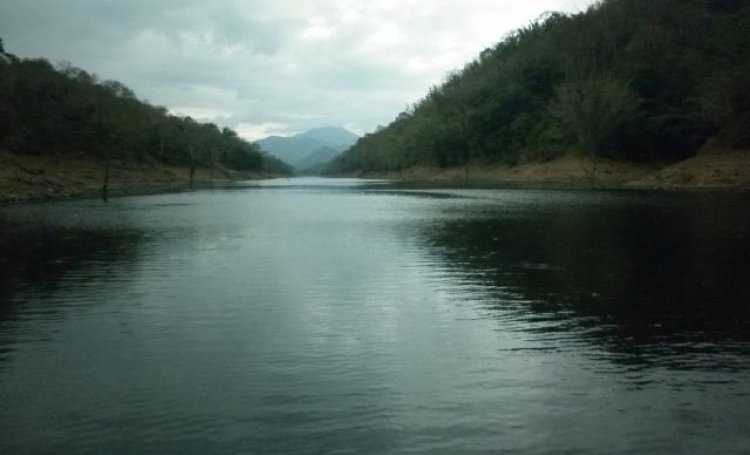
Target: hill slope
[(66, 112), (318, 157), (636, 80)]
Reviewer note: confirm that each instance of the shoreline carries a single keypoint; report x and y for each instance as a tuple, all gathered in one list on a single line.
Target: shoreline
[(29, 178), (727, 171)]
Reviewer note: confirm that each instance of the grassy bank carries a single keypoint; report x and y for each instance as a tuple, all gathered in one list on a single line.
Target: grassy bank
[(27, 177), (729, 170)]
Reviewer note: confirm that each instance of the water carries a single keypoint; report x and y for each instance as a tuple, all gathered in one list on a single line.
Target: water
[(318, 316)]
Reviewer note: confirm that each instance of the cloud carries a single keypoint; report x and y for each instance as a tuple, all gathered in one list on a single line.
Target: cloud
[(269, 66), (260, 130)]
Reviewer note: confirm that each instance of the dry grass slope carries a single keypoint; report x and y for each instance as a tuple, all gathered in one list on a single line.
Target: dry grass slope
[(729, 170)]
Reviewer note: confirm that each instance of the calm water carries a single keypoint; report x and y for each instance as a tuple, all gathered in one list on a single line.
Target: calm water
[(313, 316)]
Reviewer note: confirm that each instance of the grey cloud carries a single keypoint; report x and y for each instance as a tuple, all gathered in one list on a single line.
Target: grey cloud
[(260, 62)]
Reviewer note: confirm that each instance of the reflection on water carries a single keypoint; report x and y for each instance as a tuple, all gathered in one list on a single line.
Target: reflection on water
[(317, 316), (634, 275), (42, 255)]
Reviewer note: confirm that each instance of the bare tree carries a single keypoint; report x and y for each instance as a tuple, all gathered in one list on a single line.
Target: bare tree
[(592, 111)]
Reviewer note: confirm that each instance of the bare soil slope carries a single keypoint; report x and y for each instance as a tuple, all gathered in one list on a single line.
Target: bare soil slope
[(27, 177), (720, 170), (724, 170)]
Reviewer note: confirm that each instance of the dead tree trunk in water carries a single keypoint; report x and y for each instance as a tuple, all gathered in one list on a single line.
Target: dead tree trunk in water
[(468, 155), (212, 162), (588, 164), (105, 180), (214, 157), (193, 163)]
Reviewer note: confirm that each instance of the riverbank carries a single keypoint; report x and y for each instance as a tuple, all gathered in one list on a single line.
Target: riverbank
[(29, 178), (728, 170)]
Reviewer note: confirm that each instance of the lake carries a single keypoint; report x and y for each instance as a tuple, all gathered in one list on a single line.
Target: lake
[(348, 316)]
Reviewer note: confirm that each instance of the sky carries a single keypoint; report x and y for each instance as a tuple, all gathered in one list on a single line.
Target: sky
[(270, 67)]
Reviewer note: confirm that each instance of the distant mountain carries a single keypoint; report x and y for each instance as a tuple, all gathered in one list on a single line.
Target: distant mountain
[(308, 149), (289, 149), (312, 161), (331, 135)]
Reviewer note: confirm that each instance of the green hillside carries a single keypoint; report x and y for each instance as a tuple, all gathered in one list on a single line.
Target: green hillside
[(639, 80), (66, 111)]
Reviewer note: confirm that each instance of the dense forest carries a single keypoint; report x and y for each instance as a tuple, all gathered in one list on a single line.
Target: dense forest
[(67, 111), (638, 80)]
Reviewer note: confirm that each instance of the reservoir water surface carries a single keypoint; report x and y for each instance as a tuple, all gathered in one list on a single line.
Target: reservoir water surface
[(350, 316)]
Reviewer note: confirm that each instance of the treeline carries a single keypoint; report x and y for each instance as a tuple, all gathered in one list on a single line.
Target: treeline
[(68, 111), (631, 79)]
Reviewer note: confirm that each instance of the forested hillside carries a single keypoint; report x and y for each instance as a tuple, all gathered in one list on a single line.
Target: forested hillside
[(639, 80), (65, 111)]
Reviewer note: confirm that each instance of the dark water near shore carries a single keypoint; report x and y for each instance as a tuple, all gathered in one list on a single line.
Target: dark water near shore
[(314, 316)]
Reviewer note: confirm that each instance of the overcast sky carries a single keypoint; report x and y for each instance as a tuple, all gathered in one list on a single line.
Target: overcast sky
[(268, 67)]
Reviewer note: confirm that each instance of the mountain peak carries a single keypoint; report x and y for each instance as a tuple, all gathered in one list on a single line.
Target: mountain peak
[(331, 134), (310, 147)]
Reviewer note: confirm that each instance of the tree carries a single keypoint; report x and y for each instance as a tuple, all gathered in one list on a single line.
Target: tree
[(592, 111), (65, 110), (685, 60)]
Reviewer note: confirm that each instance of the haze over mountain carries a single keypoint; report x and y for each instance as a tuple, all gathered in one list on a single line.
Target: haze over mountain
[(311, 148)]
